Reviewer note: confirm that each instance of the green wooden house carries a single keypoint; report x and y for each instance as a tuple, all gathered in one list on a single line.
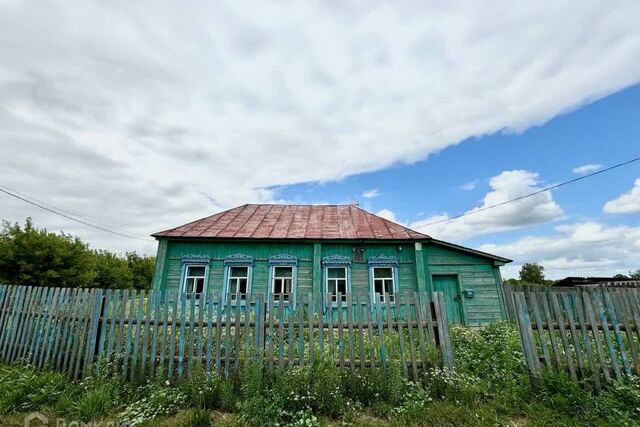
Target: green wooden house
[(328, 249)]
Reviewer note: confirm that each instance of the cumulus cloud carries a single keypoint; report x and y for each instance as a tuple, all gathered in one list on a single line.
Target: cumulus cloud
[(626, 203), (145, 115), (508, 185), (388, 214), (370, 194), (585, 169), (587, 248)]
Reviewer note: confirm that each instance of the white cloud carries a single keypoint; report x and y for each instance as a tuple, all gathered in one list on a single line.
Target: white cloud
[(387, 214), (369, 194), (626, 203), (469, 185), (582, 249), (145, 115), (508, 185), (585, 169)]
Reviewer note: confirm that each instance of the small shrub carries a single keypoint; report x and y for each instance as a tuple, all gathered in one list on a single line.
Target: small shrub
[(199, 418), (304, 418), (492, 354), (327, 389), (92, 405), (159, 401), (444, 383), (204, 391), (260, 411), (252, 379)]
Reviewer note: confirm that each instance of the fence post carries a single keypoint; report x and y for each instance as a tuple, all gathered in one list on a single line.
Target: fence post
[(526, 333), (443, 330)]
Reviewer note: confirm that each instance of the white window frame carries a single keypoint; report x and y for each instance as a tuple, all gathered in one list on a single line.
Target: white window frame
[(291, 295), (383, 261), (186, 266), (384, 293), (229, 278), (333, 291)]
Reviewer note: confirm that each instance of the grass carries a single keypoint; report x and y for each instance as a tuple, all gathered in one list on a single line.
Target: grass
[(490, 387)]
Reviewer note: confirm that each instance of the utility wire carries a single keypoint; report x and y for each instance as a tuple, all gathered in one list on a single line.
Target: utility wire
[(552, 187), (56, 211), (69, 212)]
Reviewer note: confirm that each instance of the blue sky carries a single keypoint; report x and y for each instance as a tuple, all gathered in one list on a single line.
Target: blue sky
[(143, 116), (604, 133)]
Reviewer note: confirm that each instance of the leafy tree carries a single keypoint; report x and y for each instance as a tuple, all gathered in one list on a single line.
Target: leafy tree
[(141, 268), (32, 256), (620, 277), (112, 271), (634, 275), (532, 273)]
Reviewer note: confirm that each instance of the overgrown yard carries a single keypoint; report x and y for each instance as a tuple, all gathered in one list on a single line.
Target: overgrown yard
[(489, 387)]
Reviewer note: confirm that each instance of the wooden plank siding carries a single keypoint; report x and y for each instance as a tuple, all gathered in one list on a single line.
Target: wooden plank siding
[(415, 268)]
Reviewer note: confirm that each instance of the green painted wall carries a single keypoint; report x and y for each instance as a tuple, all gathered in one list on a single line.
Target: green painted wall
[(415, 270), (475, 273)]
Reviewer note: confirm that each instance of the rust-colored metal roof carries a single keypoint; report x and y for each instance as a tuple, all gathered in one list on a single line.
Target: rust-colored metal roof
[(294, 222)]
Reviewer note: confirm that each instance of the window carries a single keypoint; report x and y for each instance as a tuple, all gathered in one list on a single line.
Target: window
[(336, 282), (238, 282), (282, 283), (383, 284), (194, 280)]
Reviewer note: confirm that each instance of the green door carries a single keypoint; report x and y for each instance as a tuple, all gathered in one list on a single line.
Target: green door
[(448, 285)]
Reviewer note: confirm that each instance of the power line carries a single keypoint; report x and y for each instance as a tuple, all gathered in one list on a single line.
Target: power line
[(66, 211), (552, 187), (56, 211)]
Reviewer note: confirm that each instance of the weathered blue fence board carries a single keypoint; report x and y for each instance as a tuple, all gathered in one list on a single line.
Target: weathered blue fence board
[(141, 333), (597, 327)]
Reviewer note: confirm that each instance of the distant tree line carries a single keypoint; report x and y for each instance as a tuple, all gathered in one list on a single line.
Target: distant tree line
[(532, 273), (35, 256)]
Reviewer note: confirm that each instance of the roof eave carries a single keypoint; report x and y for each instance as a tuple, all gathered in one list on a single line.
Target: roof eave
[(473, 251)]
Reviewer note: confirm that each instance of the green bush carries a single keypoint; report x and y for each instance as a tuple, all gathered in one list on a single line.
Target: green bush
[(261, 410), (327, 389), (158, 401), (199, 418), (204, 391), (492, 354)]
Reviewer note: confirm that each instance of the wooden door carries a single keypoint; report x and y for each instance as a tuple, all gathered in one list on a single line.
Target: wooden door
[(448, 285)]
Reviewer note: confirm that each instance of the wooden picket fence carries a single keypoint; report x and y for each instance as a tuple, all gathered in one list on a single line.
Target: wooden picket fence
[(593, 333), (172, 335)]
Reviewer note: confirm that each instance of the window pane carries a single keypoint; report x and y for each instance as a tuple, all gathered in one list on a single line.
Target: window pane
[(388, 286), (193, 270), (342, 286), (199, 285), (287, 286), (336, 272), (242, 286), (277, 286), (188, 286), (378, 286), (239, 271), (383, 272), (283, 272)]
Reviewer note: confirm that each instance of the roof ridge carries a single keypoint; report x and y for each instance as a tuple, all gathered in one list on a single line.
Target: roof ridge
[(388, 220)]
